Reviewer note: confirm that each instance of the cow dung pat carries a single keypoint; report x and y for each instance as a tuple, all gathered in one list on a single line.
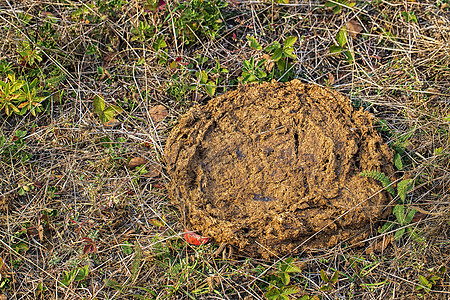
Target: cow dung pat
[(274, 168)]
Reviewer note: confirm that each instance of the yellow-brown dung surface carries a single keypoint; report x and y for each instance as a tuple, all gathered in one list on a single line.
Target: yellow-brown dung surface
[(274, 167)]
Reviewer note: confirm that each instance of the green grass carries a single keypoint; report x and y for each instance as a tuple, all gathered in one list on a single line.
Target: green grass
[(81, 89)]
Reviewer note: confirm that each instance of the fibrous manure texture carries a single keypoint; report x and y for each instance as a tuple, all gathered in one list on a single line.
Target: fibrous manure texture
[(273, 168)]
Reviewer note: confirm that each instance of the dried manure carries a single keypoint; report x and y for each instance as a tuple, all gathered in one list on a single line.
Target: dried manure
[(273, 168)]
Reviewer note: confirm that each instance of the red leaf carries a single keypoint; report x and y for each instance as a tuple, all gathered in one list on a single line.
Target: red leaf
[(194, 239), (89, 248), (37, 184), (161, 5), (158, 186)]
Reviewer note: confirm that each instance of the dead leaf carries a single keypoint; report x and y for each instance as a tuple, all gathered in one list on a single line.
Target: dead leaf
[(418, 217), (330, 79), (269, 62), (158, 113), (194, 239), (3, 297), (210, 280), (354, 28), (40, 230), (380, 246), (112, 123), (153, 170), (136, 162)]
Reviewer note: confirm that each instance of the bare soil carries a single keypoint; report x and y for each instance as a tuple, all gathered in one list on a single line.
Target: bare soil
[(274, 168)]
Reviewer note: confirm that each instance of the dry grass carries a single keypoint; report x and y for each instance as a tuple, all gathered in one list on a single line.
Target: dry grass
[(88, 208)]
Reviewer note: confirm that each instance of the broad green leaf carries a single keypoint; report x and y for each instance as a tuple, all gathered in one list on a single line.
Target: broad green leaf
[(399, 212), (272, 47), (99, 104), (283, 297), (288, 290), (285, 278), (288, 53), (325, 288), (109, 113), (335, 49), (399, 233), (251, 78), (398, 161), (246, 64), (136, 265), (272, 294), (330, 4), (348, 56), (403, 187), (410, 216), (281, 64), (324, 276), (277, 54), (386, 227), (253, 43), (82, 273), (292, 269), (341, 36), (289, 42), (210, 88), (202, 76), (126, 248), (424, 282), (335, 277), (438, 151), (337, 9)]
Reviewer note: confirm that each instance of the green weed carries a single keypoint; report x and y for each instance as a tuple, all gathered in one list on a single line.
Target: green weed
[(14, 148), (199, 19), (280, 281), (105, 113), (19, 96), (337, 5), (402, 213), (75, 275), (341, 46), (434, 277)]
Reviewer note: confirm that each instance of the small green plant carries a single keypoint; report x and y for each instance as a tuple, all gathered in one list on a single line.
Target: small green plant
[(253, 71), (4, 281), (199, 19), (19, 96), (403, 214), (409, 16), (29, 55), (341, 46), (280, 287), (25, 187), (75, 275), (281, 54), (105, 113), (434, 276), (329, 282), (13, 149), (210, 86), (337, 5), (142, 32)]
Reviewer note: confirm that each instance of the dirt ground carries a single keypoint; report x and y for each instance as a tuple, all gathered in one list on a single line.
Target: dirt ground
[(274, 168)]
